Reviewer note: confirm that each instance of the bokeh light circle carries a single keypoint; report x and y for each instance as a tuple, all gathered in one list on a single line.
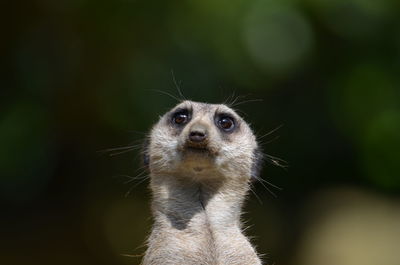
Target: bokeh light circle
[(277, 36)]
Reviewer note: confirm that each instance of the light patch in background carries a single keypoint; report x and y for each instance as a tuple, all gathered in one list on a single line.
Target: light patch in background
[(365, 106), (351, 227), (277, 36), (354, 19)]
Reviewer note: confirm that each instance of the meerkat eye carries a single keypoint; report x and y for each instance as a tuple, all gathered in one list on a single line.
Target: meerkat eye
[(180, 117), (226, 123)]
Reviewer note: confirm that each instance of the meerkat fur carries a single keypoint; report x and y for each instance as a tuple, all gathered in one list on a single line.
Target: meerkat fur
[(201, 158)]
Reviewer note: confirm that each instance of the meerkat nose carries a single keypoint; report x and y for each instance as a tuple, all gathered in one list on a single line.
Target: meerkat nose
[(198, 133), (197, 136)]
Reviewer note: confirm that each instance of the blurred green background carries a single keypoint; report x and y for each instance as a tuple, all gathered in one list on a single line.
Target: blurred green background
[(81, 76)]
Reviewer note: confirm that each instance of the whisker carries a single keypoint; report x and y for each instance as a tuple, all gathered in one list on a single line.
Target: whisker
[(269, 183), (246, 101), (123, 152), (268, 189), (137, 177), (120, 148), (255, 194), (270, 141), (167, 94), (270, 132), (230, 99), (226, 100), (123, 149), (135, 185), (177, 86), (234, 100), (122, 176), (276, 161), (247, 227)]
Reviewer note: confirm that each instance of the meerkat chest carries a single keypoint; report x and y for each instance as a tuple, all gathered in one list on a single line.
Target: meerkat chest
[(205, 241), (192, 248)]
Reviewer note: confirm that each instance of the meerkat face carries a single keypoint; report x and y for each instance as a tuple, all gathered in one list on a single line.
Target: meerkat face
[(202, 140)]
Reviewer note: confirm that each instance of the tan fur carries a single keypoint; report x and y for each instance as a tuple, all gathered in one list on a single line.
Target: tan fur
[(197, 197)]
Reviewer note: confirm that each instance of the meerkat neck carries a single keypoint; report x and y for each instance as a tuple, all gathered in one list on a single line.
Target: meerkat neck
[(181, 200)]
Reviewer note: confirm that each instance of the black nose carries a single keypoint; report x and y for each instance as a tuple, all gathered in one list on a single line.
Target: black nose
[(196, 136)]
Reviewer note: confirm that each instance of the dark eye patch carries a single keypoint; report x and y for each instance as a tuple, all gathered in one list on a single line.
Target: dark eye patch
[(225, 122), (180, 117)]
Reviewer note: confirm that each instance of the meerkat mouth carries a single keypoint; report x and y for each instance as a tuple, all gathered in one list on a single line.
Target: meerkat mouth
[(198, 152), (199, 157), (197, 149)]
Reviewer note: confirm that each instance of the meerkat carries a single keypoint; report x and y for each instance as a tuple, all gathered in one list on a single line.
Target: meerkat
[(201, 158)]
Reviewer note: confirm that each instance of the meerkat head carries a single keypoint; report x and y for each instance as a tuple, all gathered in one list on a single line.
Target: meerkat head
[(200, 140)]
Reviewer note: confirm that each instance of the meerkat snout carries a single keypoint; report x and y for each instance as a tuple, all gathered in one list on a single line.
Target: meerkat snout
[(198, 133)]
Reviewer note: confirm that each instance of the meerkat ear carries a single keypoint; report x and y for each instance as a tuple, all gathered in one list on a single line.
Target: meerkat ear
[(145, 153), (257, 164)]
